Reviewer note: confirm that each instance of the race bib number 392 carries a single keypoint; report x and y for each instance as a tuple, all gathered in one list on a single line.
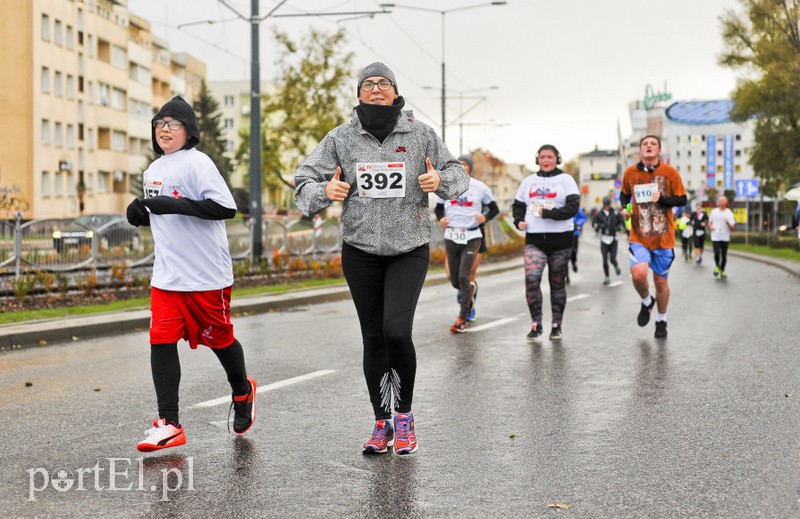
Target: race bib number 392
[(643, 193), (381, 179)]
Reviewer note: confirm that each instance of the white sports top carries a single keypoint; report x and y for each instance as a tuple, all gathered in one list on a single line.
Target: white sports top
[(191, 254), (546, 192)]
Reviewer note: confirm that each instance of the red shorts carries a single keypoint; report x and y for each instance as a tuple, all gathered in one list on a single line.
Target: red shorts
[(199, 317)]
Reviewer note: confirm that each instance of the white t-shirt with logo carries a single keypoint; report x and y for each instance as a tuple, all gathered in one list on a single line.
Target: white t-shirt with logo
[(191, 254), (461, 211), (719, 220), (538, 192)]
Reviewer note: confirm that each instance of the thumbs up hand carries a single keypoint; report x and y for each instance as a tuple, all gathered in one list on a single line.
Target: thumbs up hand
[(429, 182), (336, 190)]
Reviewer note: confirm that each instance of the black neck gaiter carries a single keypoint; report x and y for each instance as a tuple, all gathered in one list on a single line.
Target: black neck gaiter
[(379, 120), (551, 173)]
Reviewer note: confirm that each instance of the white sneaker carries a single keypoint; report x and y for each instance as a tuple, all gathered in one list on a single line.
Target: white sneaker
[(161, 436)]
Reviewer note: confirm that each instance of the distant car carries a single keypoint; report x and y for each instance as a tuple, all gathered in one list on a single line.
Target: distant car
[(111, 230)]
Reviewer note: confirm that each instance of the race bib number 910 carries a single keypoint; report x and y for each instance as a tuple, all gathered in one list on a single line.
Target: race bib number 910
[(381, 179), (643, 193)]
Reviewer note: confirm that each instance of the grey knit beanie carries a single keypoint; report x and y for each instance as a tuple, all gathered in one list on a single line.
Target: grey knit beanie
[(468, 160), (376, 69)]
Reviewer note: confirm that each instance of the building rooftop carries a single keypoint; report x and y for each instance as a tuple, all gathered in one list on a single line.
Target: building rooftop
[(601, 153), (700, 112)]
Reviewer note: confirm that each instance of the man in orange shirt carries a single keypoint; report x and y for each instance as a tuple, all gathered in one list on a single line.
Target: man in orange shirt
[(650, 189)]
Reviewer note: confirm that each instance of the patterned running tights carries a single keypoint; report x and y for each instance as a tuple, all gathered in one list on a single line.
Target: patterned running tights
[(535, 262)]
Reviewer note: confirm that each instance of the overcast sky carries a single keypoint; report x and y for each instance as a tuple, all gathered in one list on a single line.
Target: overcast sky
[(566, 69)]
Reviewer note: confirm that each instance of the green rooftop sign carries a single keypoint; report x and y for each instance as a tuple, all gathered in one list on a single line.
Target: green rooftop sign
[(651, 97)]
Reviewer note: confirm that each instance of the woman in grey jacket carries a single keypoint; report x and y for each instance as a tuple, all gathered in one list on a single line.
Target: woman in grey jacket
[(382, 166)]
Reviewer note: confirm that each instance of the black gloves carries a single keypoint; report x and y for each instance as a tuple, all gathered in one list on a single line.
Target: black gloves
[(137, 213)]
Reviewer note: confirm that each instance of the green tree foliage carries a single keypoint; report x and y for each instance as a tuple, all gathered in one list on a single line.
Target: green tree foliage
[(763, 43), (314, 92), (212, 143)]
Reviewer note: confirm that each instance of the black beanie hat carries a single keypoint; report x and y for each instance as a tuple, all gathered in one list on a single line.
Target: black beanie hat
[(181, 111)]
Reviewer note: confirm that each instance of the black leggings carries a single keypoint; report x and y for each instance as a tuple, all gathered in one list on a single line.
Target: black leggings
[(460, 258), (720, 253), (166, 367), (385, 291), (609, 252), (573, 255)]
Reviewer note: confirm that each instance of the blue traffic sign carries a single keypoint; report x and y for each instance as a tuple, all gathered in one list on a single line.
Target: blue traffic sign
[(747, 188)]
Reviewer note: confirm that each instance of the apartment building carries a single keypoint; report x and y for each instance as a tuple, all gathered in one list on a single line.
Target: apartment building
[(79, 81), (598, 177), (234, 105)]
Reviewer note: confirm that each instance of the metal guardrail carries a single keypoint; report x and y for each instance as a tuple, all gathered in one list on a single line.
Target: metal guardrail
[(49, 244)]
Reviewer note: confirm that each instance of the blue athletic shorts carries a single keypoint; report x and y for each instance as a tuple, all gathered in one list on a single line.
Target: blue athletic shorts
[(660, 260)]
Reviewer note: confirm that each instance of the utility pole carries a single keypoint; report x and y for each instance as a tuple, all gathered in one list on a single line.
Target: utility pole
[(255, 206)]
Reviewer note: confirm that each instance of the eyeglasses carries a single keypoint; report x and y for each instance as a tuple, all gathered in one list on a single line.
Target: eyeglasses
[(384, 85), (172, 125)]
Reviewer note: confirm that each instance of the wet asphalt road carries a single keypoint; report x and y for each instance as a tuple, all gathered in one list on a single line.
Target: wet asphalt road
[(610, 422)]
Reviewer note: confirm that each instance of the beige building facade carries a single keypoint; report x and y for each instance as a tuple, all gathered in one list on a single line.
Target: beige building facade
[(79, 81)]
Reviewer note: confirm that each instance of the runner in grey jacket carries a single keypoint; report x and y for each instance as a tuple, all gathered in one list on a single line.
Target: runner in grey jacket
[(383, 166), (384, 226)]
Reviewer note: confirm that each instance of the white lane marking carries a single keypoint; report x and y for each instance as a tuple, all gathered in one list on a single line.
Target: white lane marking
[(492, 324), (506, 320), (615, 284), (577, 297), (269, 387)]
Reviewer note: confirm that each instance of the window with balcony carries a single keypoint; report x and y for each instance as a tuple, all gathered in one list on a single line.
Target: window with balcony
[(103, 94), (103, 181), (118, 140), (119, 57), (103, 139), (118, 99)]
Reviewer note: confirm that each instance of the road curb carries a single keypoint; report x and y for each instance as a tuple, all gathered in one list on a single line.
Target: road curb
[(70, 329), (791, 267)]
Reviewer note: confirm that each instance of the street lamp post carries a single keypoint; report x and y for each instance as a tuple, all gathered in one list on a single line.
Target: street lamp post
[(443, 12)]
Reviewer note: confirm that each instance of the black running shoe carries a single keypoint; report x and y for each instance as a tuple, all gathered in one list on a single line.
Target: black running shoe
[(555, 333), (661, 329), (244, 409), (644, 313), (536, 332)]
